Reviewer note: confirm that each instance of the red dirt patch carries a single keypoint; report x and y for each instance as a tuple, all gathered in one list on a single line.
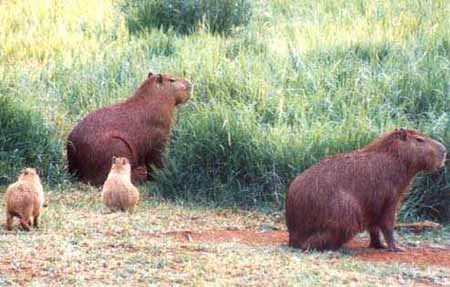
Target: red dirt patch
[(424, 255)]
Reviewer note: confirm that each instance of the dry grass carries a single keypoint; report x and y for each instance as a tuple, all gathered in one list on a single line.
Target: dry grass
[(79, 243)]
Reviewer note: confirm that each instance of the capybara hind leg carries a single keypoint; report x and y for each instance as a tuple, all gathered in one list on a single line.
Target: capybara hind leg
[(25, 223), (139, 174), (294, 240), (9, 221), (375, 241), (326, 240)]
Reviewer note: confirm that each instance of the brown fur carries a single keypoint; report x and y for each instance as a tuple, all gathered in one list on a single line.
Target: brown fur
[(137, 129), (343, 195), (118, 192), (25, 199)]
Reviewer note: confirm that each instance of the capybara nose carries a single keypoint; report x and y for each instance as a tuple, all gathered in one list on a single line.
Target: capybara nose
[(444, 159), (188, 86), (443, 154)]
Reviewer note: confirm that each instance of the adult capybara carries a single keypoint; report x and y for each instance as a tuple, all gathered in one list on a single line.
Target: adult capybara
[(343, 195), (137, 129), (118, 193), (24, 199)]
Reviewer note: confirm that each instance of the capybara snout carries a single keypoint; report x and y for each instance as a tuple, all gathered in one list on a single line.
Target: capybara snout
[(443, 155), (429, 153)]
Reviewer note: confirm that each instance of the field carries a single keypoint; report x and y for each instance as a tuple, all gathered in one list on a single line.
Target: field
[(293, 82), (168, 244)]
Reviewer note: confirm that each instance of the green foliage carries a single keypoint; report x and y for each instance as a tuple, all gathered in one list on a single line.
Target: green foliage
[(186, 16), (26, 141)]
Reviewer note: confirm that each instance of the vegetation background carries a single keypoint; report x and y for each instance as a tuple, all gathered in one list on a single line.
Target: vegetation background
[(279, 84)]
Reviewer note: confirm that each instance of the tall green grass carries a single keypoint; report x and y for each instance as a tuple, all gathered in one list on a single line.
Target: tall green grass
[(187, 16), (26, 140), (301, 81)]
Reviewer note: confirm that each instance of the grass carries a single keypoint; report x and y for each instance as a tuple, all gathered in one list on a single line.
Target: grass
[(80, 243), (301, 81), (185, 17), (26, 139)]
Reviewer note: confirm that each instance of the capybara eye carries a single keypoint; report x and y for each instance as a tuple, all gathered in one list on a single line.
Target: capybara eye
[(420, 140), (172, 80)]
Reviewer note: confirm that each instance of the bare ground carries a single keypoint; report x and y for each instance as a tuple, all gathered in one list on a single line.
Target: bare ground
[(423, 255)]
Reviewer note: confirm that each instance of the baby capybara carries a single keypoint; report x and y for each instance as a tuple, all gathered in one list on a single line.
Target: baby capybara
[(118, 193), (343, 195), (24, 199), (137, 129)]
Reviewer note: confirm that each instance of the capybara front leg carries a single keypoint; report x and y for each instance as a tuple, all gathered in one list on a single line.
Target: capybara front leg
[(9, 221), (139, 174), (155, 160), (389, 237), (36, 222), (25, 224), (375, 241), (387, 227)]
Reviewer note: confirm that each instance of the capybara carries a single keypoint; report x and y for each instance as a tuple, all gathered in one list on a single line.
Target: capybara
[(25, 199), (345, 194), (118, 193), (138, 129)]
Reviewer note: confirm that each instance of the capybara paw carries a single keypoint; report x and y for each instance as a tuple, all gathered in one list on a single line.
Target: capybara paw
[(396, 249), (377, 245), (26, 228)]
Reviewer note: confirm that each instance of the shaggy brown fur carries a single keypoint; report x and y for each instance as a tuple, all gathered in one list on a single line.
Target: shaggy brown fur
[(118, 192), (343, 195), (25, 199), (137, 129)]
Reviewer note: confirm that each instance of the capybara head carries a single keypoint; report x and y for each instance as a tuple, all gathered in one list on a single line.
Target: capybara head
[(28, 174), (421, 152), (178, 88), (121, 165)]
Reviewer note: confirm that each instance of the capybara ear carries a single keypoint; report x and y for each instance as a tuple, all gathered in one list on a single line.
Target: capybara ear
[(114, 159), (149, 74), (403, 134), (38, 171), (160, 78)]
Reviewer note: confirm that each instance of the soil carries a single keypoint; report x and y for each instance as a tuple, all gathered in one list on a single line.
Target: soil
[(422, 255)]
